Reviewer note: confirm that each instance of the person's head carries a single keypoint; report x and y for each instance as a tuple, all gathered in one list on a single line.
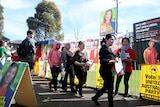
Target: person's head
[(38, 45), (108, 16), (2, 43), (96, 43), (30, 33), (56, 45), (9, 76), (62, 48), (103, 42), (67, 46), (109, 39), (151, 43), (125, 41), (81, 45)]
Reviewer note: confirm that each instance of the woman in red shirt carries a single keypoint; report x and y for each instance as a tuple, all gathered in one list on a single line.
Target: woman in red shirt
[(127, 54)]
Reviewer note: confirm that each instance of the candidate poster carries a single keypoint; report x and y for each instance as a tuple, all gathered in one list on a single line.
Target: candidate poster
[(146, 35), (10, 77), (108, 22)]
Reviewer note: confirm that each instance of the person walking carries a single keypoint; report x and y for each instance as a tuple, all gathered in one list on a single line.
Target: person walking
[(54, 58), (107, 60), (80, 58), (127, 54), (66, 58), (30, 49)]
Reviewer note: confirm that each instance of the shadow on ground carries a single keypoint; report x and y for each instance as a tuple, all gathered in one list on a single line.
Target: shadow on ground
[(47, 98)]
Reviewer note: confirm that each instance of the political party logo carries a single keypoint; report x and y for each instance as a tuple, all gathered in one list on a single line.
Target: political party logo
[(153, 69)]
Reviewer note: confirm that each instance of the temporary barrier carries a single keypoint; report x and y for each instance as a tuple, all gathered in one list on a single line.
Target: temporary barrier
[(150, 82)]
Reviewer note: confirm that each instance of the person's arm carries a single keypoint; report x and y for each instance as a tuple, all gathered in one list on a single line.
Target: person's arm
[(7, 52), (63, 59), (49, 58), (132, 57), (107, 57), (145, 56), (76, 59), (79, 63)]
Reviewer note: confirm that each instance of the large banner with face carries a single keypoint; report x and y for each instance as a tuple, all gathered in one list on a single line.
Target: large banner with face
[(108, 22), (147, 41), (10, 78)]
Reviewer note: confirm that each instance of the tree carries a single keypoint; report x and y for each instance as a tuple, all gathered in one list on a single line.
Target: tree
[(1, 21), (77, 34), (46, 21)]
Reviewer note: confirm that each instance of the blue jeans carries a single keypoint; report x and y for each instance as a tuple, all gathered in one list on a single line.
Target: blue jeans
[(2, 62)]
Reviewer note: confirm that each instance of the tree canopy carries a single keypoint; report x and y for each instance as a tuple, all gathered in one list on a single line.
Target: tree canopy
[(46, 21)]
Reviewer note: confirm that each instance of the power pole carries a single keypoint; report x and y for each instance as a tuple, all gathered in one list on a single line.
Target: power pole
[(117, 17)]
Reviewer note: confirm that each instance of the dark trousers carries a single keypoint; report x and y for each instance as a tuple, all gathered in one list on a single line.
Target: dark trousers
[(81, 76), (107, 85), (72, 76), (54, 71), (126, 82), (31, 65)]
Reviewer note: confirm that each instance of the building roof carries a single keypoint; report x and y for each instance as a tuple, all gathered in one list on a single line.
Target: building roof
[(16, 42)]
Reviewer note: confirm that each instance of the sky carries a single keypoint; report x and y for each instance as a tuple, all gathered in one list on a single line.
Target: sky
[(78, 15)]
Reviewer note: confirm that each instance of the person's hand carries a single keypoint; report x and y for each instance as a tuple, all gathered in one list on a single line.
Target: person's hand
[(127, 60), (112, 61), (83, 64), (116, 61)]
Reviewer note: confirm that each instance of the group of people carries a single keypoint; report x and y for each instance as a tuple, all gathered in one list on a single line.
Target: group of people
[(29, 45), (107, 67), (72, 63), (75, 64), (8, 76)]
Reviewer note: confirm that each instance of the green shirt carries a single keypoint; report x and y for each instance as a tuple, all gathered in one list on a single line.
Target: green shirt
[(3, 51)]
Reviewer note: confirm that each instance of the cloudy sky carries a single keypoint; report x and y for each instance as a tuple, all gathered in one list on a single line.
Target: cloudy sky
[(83, 15)]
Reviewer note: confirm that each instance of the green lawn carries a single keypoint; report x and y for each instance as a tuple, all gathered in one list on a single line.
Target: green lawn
[(134, 85)]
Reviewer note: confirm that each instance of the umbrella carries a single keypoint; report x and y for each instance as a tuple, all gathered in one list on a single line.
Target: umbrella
[(50, 41)]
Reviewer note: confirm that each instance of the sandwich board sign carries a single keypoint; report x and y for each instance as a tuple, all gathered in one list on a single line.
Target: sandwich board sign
[(15, 83)]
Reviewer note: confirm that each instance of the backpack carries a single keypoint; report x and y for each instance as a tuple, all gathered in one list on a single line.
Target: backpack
[(21, 51)]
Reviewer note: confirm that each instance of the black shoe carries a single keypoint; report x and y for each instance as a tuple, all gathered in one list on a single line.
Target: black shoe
[(95, 101), (126, 95), (81, 96), (73, 90)]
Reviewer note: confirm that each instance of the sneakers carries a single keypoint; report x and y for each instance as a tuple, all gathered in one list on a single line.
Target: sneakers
[(95, 101), (81, 96), (56, 91)]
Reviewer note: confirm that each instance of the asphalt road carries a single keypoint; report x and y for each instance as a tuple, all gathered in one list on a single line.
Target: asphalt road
[(47, 98)]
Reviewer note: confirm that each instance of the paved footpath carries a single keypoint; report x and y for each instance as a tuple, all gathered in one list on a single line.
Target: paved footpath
[(46, 98)]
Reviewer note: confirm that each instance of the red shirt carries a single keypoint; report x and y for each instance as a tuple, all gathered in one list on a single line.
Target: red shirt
[(15, 57), (94, 56), (130, 53), (3, 91)]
